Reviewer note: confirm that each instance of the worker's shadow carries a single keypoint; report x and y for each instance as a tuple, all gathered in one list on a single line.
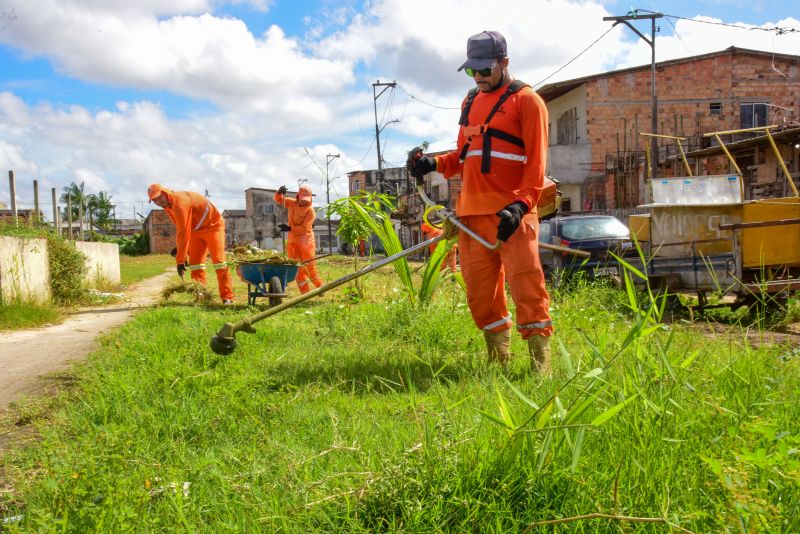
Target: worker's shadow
[(367, 376)]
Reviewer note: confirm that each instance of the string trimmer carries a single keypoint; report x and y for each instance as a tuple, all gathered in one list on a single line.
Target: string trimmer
[(224, 342)]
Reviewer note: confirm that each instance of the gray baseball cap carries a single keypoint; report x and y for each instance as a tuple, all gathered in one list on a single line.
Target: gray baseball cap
[(483, 49)]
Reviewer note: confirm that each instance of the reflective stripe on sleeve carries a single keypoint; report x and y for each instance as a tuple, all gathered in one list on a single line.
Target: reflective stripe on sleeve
[(501, 322), (496, 154)]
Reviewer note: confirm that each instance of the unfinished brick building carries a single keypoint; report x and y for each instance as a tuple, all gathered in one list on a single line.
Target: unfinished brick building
[(161, 230), (597, 152)]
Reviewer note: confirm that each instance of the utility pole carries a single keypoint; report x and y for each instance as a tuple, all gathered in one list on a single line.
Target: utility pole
[(35, 218), (633, 15), (12, 190), (328, 159), (375, 97), (56, 221)]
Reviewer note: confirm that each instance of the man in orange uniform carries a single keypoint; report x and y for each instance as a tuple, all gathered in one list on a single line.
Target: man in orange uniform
[(449, 260), (200, 228), (500, 155), (301, 245)]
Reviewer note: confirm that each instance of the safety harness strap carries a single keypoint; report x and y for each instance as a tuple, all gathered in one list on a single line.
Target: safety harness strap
[(483, 129)]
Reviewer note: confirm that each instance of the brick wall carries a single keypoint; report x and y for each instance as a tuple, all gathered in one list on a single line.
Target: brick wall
[(161, 231), (619, 108)]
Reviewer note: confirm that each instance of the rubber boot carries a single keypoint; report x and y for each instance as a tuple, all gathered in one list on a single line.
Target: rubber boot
[(539, 348), (498, 345)]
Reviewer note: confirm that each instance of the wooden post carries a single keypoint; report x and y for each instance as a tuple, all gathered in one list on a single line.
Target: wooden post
[(69, 215), (12, 190), (35, 218), (91, 226), (80, 219), (56, 222)]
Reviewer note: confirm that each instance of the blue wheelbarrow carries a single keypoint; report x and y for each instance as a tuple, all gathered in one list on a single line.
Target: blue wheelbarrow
[(266, 280)]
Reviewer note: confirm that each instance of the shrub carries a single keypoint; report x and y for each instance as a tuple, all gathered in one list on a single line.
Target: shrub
[(67, 271), (67, 264)]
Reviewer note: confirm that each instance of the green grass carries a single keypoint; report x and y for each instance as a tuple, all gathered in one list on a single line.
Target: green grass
[(376, 416), (18, 316), (134, 269)]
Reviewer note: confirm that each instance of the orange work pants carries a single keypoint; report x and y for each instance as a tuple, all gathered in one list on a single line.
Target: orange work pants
[(486, 271), (200, 243), (303, 250)]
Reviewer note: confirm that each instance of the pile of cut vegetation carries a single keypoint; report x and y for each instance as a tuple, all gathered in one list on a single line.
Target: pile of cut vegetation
[(197, 290), (248, 255)]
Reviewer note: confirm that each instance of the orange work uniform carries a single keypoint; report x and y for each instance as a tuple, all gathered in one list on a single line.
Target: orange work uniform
[(449, 260), (516, 173), (301, 244), (200, 229)]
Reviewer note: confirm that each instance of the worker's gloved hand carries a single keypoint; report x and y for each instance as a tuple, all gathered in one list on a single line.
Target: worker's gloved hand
[(173, 252), (181, 269), (510, 218), (419, 165), (282, 190), (284, 227)]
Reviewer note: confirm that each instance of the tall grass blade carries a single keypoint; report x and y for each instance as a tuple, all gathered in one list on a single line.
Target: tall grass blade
[(614, 410)]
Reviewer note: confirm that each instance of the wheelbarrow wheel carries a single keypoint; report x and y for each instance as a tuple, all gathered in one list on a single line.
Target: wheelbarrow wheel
[(275, 286)]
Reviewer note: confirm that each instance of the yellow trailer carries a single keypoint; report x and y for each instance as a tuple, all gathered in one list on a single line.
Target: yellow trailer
[(702, 235)]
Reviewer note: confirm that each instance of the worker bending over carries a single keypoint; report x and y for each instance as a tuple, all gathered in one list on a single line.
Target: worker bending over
[(500, 155), (199, 229), (300, 244)]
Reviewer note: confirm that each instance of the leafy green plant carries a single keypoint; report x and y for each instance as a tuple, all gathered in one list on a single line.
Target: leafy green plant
[(354, 225), (371, 213)]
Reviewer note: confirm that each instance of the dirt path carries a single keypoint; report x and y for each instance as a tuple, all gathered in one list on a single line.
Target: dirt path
[(27, 355)]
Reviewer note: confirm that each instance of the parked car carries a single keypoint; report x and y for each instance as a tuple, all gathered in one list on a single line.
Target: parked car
[(600, 235)]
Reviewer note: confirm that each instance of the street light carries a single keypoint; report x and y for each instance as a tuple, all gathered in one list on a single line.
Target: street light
[(652, 42), (328, 159)]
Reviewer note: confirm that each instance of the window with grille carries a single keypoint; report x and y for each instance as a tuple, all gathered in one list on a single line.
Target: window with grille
[(752, 115), (715, 108), (567, 128)]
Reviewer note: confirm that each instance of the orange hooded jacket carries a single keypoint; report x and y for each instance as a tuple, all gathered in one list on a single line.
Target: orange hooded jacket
[(191, 213), (300, 214)]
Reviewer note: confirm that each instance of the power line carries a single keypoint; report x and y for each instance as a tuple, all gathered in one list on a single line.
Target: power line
[(422, 101), (777, 29), (674, 29), (576, 57)]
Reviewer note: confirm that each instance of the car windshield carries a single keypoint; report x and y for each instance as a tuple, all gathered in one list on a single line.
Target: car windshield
[(593, 228)]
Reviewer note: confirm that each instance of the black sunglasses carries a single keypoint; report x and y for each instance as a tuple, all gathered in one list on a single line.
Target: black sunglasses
[(483, 72)]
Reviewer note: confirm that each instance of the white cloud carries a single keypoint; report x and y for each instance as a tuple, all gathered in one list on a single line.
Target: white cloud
[(276, 94)]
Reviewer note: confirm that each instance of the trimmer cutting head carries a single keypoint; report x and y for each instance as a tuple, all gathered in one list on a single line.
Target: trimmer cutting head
[(223, 345)]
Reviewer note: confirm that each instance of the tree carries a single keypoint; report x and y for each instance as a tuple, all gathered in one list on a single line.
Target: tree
[(352, 226), (76, 197), (100, 206)]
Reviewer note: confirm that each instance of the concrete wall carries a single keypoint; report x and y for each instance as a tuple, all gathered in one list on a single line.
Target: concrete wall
[(24, 270), (102, 260)]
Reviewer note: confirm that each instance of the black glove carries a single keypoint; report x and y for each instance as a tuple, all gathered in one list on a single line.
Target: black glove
[(510, 217), (173, 252), (284, 227), (181, 269), (282, 190), (418, 165)]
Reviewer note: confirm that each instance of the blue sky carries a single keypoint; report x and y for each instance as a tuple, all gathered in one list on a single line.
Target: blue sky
[(229, 94)]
